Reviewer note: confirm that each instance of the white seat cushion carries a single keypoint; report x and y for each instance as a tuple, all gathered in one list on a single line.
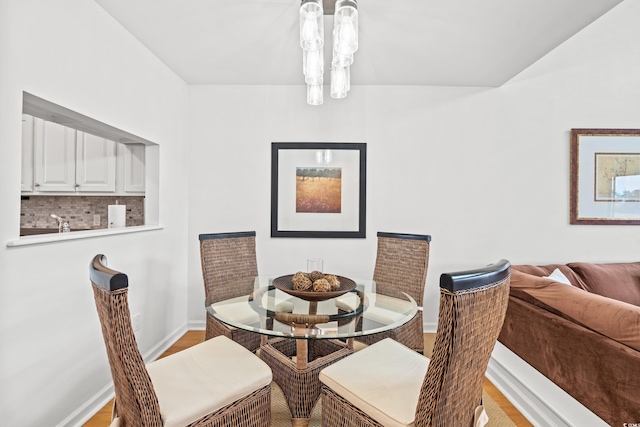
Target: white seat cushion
[(381, 309), (241, 312), (204, 378), (237, 311), (284, 307), (382, 380), (348, 302)]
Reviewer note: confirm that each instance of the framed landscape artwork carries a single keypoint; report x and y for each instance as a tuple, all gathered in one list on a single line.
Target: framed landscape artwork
[(318, 189), (605, 176)]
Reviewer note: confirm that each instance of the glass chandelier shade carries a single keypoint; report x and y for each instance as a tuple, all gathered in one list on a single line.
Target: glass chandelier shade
[(312, 42), (345, 28), (313, 66), (311, 24), (314, 94), (342, 60), (340, 77), (345, 44)]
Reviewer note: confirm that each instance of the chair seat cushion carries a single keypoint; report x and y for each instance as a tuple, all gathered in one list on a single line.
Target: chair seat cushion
[(348, 302), (241, 312), (205, 378), (382, 380), (381, 309)]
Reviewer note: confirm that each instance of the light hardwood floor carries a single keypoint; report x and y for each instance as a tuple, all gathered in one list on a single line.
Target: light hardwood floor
[(103, 417)]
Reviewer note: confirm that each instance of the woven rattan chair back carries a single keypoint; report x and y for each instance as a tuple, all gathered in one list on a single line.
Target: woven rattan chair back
[(401, 266), (136, 402), (229, 268), (472, 309)]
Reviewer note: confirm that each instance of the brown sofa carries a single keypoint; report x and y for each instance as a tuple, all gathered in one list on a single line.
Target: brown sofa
[(583, 336)]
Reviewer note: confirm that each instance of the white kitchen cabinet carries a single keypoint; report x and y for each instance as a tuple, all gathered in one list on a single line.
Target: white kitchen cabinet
[(134, 157), (54, 157), (95, 163), (27, 153), (57, 159), (131, 169)]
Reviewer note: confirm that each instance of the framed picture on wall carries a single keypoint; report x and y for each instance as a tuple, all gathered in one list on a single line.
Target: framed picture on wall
[(318, 189), (605, 176)]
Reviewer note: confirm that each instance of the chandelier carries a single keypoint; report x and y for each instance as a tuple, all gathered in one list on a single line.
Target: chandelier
[(345, 44)]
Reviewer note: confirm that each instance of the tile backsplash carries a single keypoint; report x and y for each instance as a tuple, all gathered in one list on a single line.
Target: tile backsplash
[(35, 211)]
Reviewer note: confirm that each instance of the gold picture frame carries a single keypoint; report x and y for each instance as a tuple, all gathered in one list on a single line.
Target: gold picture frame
[(605, 176)]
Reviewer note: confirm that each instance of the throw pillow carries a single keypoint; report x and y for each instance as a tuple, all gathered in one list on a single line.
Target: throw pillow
[(557, 276)]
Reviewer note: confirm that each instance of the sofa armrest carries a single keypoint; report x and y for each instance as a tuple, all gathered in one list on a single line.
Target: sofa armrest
[(595, 370), (615, 319)]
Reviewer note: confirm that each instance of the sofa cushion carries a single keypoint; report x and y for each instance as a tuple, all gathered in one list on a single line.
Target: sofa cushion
[(547, 270), (615, 319), (619, 281)]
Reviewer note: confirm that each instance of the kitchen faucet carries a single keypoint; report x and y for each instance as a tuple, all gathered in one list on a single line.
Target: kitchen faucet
[(63, 225)]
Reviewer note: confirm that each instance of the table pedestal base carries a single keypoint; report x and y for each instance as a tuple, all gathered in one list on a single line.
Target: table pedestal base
[(299, 379), (300, 422)]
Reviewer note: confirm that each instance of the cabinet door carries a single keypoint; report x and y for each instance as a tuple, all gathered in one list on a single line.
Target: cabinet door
[(54, 157), (27, 153), (134, 168), (95, 163)]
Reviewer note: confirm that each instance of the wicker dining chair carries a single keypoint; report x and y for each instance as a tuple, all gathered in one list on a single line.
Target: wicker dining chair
[(387, 384), (401, 265), (229, 268), (214, 383)]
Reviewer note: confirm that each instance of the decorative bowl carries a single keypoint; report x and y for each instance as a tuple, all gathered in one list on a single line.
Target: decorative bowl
[(285, 284)]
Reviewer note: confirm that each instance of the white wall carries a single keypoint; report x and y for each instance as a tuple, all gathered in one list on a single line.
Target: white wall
[(52, 357), (484, 171)]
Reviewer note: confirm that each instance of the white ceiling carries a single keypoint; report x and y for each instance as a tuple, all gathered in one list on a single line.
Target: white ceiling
[(402, 42)]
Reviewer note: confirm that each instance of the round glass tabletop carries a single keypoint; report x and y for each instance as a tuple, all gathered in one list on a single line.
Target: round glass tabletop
[(270, 311)]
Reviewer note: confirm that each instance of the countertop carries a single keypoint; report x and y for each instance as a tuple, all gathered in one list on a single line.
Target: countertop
[(34, 231)]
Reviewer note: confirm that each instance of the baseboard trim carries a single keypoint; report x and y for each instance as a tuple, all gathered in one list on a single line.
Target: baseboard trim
[(197, 325), (430, 327), (88, 409), (165, 344), (537, 398), (96, 402)]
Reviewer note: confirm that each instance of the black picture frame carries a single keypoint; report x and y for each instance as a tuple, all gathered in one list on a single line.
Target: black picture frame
[(288, 159)]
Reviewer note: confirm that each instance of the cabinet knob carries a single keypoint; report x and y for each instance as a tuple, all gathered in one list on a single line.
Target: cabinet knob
[(36, 184)]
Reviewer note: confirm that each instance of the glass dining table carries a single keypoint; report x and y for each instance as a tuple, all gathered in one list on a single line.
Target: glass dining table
[(302, 334)]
